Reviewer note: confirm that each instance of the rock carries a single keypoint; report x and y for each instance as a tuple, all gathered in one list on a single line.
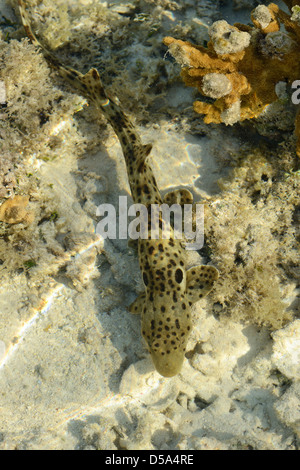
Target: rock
[(14, 210), (288, 407), (286, 355)]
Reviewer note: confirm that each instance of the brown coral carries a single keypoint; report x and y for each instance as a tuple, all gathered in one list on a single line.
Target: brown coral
[(249, 61)]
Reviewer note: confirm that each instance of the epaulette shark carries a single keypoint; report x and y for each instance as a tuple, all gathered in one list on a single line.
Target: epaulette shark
[(170, 288)]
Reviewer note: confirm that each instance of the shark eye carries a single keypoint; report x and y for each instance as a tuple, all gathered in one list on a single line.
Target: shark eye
[(145, 279), (178, 275)]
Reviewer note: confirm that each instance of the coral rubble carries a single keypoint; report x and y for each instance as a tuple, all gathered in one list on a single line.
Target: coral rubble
[(14, 210), (241, 65)]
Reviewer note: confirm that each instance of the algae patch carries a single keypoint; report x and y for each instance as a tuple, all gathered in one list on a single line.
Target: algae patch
[(252, 235)]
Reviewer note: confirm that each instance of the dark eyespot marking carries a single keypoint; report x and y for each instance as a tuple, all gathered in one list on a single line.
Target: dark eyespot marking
[(177, 323), (173, 262), (178, 275), (160, 275), (163, 309), (183, 306), (146, 189), (141, 167), (160, 247), (162, 287), (145, 279), (151, 249), (152, 324)]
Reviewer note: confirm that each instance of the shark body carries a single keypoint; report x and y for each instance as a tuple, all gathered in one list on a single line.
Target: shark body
[(170, 288)]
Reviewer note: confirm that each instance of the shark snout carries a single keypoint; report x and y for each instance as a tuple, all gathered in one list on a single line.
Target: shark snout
[(168, 365)]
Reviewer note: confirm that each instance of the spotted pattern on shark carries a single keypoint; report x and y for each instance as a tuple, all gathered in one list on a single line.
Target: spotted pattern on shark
[(170, 288)]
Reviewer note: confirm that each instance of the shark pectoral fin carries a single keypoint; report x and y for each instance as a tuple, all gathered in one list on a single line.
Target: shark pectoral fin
[(200, 281), (138, 305), (179, 196)]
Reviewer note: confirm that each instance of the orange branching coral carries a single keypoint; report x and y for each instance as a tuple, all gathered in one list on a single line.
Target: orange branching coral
[(241, 64)]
